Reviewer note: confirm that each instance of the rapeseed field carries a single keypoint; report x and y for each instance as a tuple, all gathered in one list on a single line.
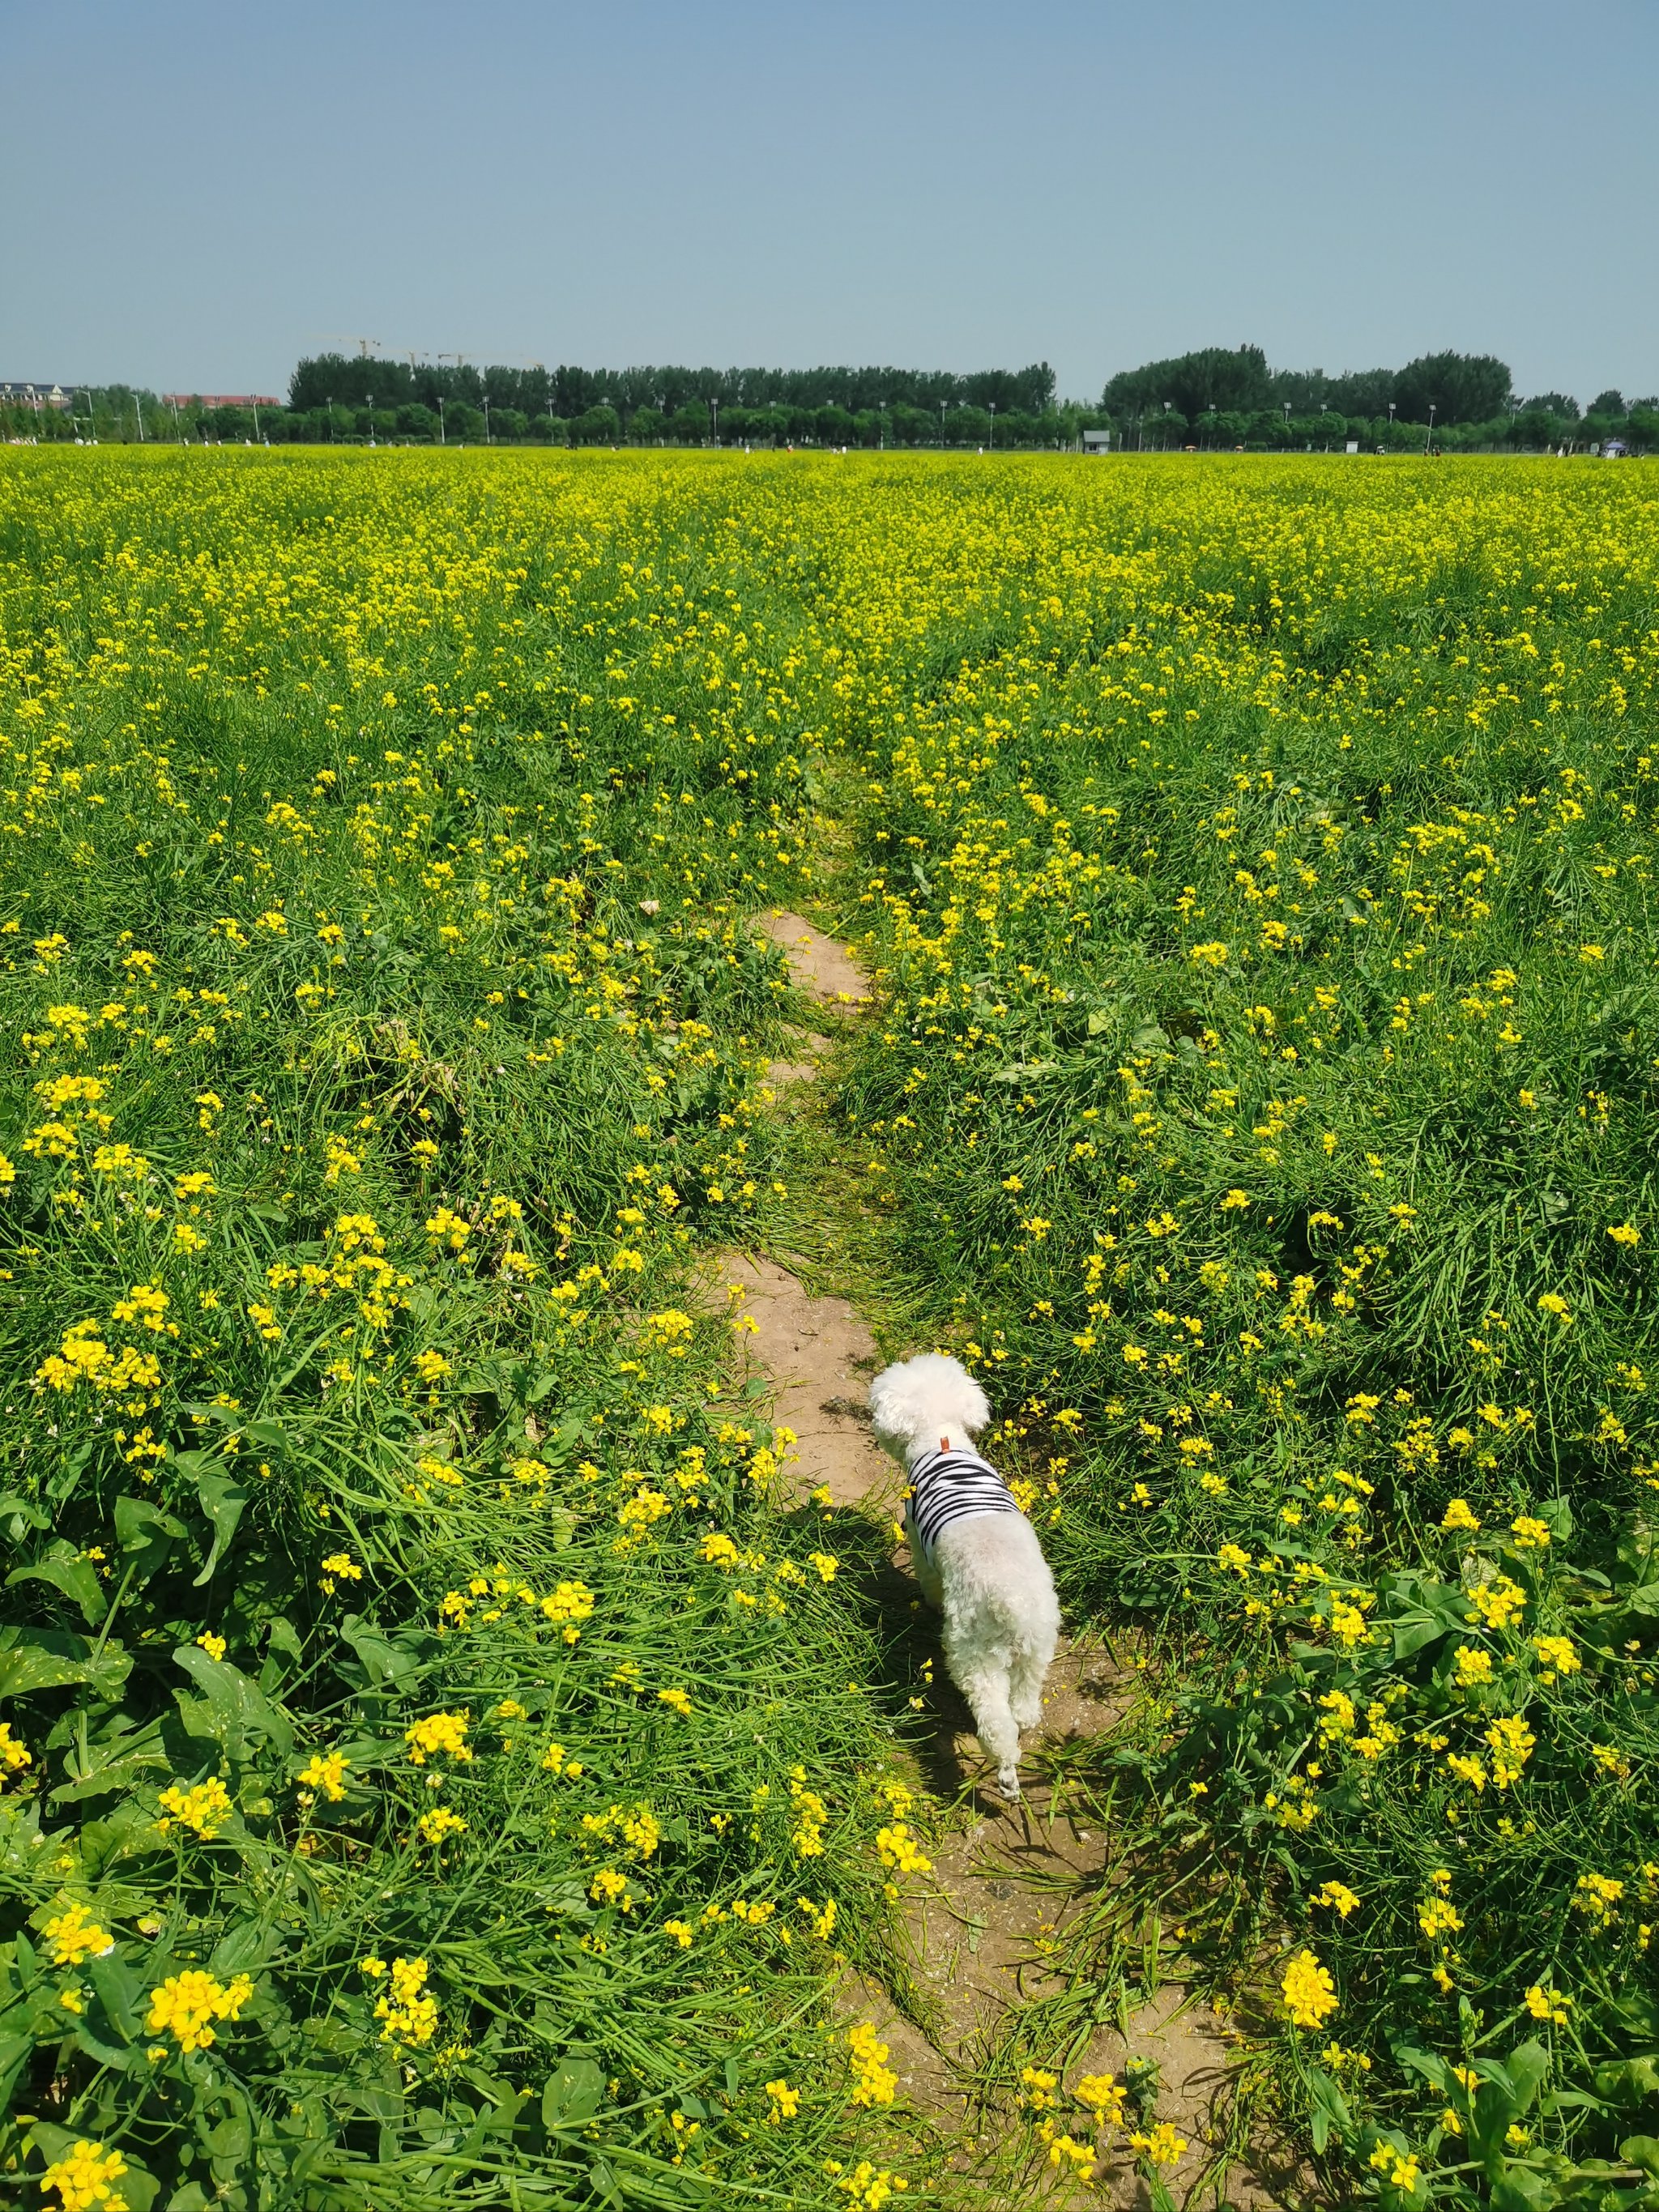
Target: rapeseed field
[(442, 1762)]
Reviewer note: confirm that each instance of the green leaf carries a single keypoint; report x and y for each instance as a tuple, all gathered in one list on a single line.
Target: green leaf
[(383, 1659), (1328, 2107), (146, 1536), (115, 1763), (573, 2094), (237, 1703), (49, 1659), (14, 2053), (1641, 2150), (22, 1513), (1420, 1612), (64, 1568), (1518, 2189), (282, 1636), (1528, 2069), (1556, 1514), (223, 1499), (120, 1991)]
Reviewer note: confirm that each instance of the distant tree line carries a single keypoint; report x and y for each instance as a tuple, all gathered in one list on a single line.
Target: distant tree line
[(345, 399), (1221, 396), (1216, 398)]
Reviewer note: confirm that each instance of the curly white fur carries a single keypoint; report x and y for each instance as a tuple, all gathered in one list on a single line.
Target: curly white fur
[(989, 1578)]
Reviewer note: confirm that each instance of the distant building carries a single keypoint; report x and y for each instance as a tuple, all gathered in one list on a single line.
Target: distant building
[(61, 396), (219, 399), (1096, 442)]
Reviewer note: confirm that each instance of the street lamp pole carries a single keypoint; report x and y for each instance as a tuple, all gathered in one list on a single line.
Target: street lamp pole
[(486, 413), (1428, 440), (442, 440), (714, 411), (993, 425), (371, 418)]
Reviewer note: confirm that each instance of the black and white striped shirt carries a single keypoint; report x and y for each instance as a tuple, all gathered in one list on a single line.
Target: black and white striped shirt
[(951, 1486)]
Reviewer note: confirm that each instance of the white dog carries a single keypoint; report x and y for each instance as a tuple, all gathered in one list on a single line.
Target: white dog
[(976, 1555)]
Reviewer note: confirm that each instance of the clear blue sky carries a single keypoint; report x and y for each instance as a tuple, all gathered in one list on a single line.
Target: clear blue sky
[(194, 193)]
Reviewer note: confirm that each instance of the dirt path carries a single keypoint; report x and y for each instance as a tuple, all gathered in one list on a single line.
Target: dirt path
[(980, 1927)]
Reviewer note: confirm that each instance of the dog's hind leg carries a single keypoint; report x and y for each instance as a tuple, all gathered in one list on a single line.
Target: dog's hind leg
[(1027, 1675), (983, 1680)]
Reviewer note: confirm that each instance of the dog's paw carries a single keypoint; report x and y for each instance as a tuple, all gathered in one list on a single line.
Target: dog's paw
[(1008, 1783), (1027, 1716)]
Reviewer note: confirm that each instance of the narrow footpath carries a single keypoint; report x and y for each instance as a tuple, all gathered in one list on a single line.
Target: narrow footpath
[(979, 1927)]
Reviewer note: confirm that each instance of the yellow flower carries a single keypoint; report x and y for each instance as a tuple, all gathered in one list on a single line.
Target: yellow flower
[(1338, 1894), (897, 1848), (15, 1755), (83, 2179), (1530, 1535), (1512, 1743), (1436, 1917), (439, 1732), (1459, 1515), (326, 1772), (1310, 1993), (1498, 1601), (678, 1699), (212, 1644), (874, 2081), (438, 1823), (203, 1807), (1544, 2003), (1103, 2094), (187, 2004), (1624, 1233), (407, 2013), (784, 2102), (74, 1936), (1163, 2147)]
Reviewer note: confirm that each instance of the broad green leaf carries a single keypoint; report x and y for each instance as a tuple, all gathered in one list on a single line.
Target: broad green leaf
[(1528, 2069), (115, 1763), (237, 1703), (572, 2095), (44, 1659), (146, 1536), (222, 1499), (66, 1571), (1328, 2107), (120, 1993)]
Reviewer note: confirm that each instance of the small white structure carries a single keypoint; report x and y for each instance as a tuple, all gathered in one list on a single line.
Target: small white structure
[(1096, 442)]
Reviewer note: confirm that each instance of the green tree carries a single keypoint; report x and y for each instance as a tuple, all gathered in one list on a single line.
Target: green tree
[(1460, 387), (1216, 376)]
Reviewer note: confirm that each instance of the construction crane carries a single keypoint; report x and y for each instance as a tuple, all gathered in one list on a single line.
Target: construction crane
[(365, 346)]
